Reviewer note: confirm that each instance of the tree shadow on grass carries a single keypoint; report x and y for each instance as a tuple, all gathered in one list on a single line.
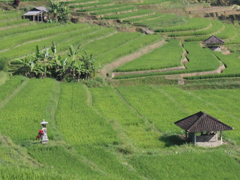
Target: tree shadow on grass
[(172, 140)]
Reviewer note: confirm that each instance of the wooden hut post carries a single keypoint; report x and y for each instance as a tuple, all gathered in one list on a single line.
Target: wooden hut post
[(33, 18), (186, 136), (194, 137), (221, 137)]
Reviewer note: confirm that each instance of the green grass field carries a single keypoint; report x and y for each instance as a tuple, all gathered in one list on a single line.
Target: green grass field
[(199, 60), (160, 58), (108, 133)]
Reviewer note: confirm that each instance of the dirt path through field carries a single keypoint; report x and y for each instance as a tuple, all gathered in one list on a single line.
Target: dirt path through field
[(218, 71), (147, 71), (107, 69), (185, 60), (181, 76)]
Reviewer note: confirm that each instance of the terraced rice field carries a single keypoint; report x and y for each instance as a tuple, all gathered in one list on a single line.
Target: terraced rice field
[(200, 60), (121, 116), (159, 58), (70, 112), (99, 129), (91, 130), (89, 37), (232, 64)]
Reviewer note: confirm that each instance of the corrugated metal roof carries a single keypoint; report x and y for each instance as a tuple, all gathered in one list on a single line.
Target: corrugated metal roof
[(201, 122), (42, 8), (31, 13)]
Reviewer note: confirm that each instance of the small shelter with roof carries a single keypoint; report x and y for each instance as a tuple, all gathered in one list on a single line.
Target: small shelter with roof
[(202, 129), (214, 43), (36, 14)]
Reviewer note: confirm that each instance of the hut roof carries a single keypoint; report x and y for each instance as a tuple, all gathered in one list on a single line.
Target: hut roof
[(201, 122), (31, 13), (40, 8), (213, 40)]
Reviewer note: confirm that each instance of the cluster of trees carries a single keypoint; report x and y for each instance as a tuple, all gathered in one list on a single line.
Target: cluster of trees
[(58, 11), (48, 63)]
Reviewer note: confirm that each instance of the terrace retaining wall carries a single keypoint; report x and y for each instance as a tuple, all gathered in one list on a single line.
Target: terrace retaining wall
[(210, 10), (147, 71), (218, 71)]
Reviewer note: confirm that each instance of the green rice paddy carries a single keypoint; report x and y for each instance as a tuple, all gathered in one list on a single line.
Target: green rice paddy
[(120, 128)]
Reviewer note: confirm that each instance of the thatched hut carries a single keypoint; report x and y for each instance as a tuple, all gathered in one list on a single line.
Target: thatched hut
[(214, 43), (202, 129), (36, 14)]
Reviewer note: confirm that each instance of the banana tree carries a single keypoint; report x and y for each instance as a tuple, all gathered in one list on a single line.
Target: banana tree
[(45, 60), (63, 66), (73, 54), (89, 62), (58, 10), (48, 62), (78, 70), (35, 69), (25, 65)]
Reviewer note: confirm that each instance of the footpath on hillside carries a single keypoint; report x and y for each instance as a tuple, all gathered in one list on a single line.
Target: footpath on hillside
[(107, 69)]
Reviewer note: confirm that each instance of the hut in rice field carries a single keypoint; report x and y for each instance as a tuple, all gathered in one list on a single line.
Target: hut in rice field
[(202, 129), (36, 14), (214, 43)]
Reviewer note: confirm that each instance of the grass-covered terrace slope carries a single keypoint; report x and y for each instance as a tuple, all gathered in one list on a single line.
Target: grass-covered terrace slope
[(111, 133), (167, 56), (200, 60), (232, 64), (176, 166), (91, 128), (128, 12), (118, 112), (193, 24), (172, 104), (195, 29), (28, 108), (96, 40)]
